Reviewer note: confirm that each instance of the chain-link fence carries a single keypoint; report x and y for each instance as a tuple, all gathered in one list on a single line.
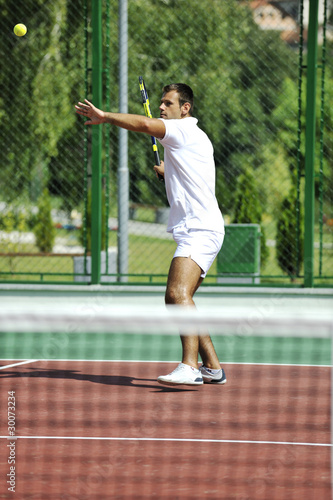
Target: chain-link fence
[(42, 142), (247, 65)]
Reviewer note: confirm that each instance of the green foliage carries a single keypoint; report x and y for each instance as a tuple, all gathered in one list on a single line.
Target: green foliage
[(236, 71), (13, 221), (51, 100), (248, 209), (273, 177), (43, 72), (327, 124), (44, 229), (246, 99), (289, 254)]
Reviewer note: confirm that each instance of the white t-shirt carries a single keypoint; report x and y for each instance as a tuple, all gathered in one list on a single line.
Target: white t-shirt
[(189, 174)]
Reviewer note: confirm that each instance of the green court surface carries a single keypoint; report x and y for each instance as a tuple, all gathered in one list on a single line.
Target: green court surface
[(266, 348), (138, 347)]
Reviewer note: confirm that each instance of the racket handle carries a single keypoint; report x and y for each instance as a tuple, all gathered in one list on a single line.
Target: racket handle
[(158, 162)]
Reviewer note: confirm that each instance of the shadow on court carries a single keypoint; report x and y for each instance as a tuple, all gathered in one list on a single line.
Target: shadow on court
[(95, 379)]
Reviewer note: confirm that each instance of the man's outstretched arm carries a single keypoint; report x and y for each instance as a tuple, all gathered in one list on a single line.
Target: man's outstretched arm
[(135, 123)]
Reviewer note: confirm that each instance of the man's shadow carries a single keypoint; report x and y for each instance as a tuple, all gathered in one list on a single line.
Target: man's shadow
[(118, 380)]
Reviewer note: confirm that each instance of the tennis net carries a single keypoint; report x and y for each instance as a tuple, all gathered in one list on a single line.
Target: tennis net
[(83, 416)]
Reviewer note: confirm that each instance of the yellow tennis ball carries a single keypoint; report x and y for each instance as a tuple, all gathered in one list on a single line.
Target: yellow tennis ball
[(20, 29)]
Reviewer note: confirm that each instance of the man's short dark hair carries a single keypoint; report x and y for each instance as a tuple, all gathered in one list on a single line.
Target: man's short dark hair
[(185, 93)]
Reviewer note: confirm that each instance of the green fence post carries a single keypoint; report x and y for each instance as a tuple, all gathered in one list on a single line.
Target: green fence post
[(310, 137), (96, 178)]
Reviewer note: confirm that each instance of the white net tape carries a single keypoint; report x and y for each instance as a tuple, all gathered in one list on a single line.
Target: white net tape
[(246, 320)]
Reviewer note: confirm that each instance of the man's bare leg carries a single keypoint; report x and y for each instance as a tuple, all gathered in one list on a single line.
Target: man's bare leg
[(183, 281), (207, 352)]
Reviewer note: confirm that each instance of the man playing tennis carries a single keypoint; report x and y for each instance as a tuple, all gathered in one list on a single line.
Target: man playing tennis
[(195, 219)]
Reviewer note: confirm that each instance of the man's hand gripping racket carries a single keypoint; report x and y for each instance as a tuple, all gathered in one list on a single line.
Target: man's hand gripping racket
[(145, 102)]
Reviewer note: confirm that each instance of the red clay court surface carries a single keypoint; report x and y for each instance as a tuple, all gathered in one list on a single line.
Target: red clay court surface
[(108, 430)]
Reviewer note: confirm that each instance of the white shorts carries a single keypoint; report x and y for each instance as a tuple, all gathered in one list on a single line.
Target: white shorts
[(199, 244)]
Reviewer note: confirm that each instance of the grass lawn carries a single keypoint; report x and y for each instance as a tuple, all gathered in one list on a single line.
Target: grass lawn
[(149, 260)]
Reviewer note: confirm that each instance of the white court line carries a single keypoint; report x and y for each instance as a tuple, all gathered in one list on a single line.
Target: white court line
[(17, 364), (169, 440), (166, 361), (220, 441)]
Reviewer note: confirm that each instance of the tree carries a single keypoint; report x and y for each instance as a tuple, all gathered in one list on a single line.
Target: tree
[(235, 69), (44, 229), (247, 209), (43, 72), (289, 237)]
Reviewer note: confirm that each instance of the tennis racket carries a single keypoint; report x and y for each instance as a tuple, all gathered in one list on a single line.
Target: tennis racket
[(145, 102)]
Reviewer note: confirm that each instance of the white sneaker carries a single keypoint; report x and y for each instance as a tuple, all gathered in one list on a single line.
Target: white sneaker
[(212, 378), (183, 374)]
